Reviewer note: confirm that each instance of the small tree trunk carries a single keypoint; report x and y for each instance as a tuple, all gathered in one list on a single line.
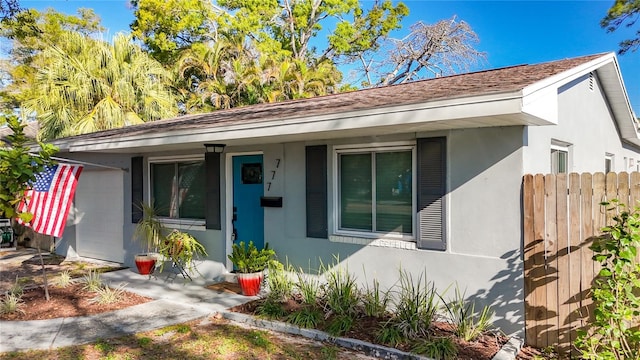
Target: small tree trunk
[(44, 275)]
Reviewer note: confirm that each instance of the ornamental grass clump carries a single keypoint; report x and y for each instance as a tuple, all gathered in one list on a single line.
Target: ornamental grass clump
[(12, 301), (375, 302), (64, 279), (416, 306), (467, 323), (615, 331), (92, 281), (341, 300), (109, 295)]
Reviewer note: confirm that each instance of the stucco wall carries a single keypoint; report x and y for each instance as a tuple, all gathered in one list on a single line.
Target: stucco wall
[(483, 220), (584, 121), (483, 216)]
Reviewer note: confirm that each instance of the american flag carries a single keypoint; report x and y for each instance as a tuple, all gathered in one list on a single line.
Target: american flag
[(50, 198)]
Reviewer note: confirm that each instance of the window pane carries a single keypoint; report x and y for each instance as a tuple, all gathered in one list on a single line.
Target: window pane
[(394, 192), (355, 192), (562, 162), (162, 187), (191, 190), (559, 161)]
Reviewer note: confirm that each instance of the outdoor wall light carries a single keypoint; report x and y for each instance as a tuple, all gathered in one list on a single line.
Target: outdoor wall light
[(214, 148)]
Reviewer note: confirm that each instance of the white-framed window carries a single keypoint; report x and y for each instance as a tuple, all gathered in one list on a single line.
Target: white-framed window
[(608, 162), (559, 157), (375, 191), (177, 187)]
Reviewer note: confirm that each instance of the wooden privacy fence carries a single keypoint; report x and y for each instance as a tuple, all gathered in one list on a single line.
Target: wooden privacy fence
[(562, 216)]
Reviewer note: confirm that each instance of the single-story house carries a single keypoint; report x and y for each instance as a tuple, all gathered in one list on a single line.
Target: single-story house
[(425, 176)]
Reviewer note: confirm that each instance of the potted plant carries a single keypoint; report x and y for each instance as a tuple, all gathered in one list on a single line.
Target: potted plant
[(249, 263), (151, 232), (181, 248)]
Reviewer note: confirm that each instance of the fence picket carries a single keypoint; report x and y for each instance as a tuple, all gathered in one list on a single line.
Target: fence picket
[(529, 266), (551, 264), (540, 292), (574, 255)]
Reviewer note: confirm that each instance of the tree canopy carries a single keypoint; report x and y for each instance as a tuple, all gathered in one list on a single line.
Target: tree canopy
[(91, 85), (623, 12), (199, 56), (18, 168)]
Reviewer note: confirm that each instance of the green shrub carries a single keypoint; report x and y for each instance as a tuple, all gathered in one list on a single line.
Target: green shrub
[(308, 286), (307, 317), (375, 301), (280, 285), (615, 292), (467, 324), (416, 306), (92, 281), (271, 308), (64, 279), (340, 324), (390, 335), (108, 295), (442, 348), (16, 288), (11, 303), (340, 293)]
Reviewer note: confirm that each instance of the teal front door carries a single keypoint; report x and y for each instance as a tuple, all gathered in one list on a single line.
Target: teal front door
[(248, 215)]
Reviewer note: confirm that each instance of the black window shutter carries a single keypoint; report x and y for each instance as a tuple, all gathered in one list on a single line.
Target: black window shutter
[(432, 170), (137, 188), (212, 196), (316, 181)]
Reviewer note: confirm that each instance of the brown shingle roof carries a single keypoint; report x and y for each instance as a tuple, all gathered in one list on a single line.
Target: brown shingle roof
[(506, 79)]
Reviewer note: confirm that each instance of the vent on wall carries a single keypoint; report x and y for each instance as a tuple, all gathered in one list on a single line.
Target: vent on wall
[(591, 81)]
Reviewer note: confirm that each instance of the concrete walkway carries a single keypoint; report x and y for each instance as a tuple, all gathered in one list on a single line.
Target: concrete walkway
[(175, 301)]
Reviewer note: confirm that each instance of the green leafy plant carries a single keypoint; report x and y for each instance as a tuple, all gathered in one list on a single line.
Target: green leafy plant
[(150, 230), (11, 303), (390, 335), (64, 279), (375, 301), (16, 288), (280, 284), (340, 324), (182, 248), (92, 281), (307, 316), (308, 287), (437, 348), (109, 295), (271, 308), (416, 306), (340, 293), (19, 167), (615, 332), (467, 324), (248, 259)]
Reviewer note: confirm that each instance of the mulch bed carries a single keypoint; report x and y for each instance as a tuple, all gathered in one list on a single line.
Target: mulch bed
[(67, 302)]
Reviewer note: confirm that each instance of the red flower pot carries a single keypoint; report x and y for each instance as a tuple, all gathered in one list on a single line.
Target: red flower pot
[(145, 264), (250, 283)]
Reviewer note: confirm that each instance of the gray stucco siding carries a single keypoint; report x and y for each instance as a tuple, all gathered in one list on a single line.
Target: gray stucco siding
[(483, 216), (586, 122)]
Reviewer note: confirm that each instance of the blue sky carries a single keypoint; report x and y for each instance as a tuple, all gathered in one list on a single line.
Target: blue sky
[(511, 32)]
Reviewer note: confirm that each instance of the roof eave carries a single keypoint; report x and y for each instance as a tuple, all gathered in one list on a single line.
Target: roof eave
[(497, 109)]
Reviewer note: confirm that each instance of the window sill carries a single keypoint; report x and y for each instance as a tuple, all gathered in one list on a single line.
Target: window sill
[(184, 224), (387, 243)]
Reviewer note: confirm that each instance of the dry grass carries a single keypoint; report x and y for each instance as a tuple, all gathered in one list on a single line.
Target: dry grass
[(202, 339)]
